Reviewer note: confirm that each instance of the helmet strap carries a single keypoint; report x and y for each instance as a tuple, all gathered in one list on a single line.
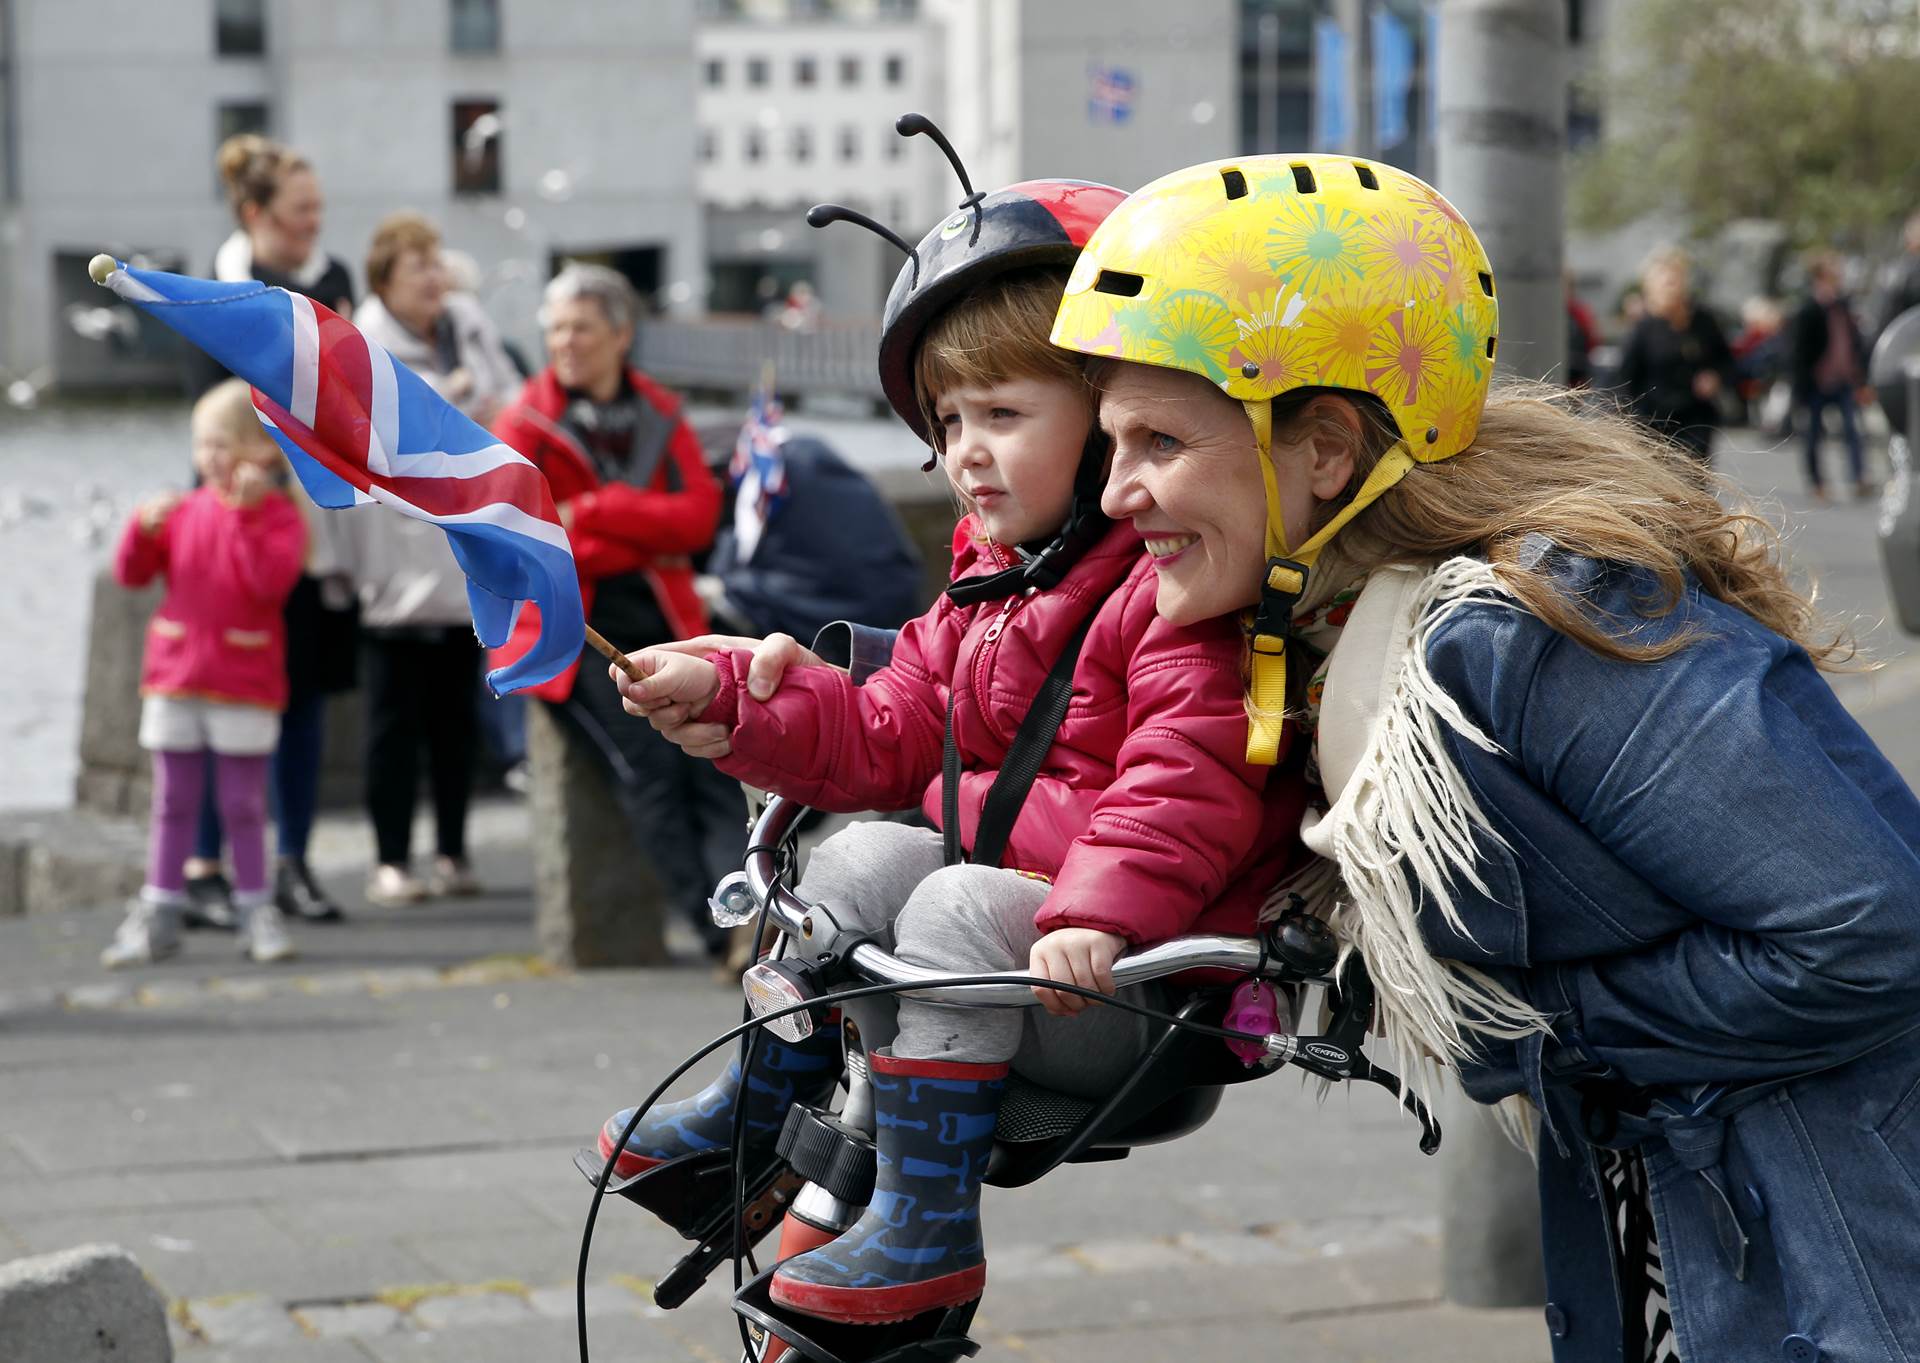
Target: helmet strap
[(1285, 582)]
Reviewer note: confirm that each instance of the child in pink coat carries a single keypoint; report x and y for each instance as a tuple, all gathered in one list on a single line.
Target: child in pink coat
[(213, 678)]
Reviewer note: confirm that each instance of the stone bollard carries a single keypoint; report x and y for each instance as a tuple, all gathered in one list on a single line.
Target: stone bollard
[(596, 901), (113, 775), (85, 1305)]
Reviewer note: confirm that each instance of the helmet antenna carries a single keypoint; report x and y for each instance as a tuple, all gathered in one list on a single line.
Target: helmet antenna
[(822, 214), (910, 125)]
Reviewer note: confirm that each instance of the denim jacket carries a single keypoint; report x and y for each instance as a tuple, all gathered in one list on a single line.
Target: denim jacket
[(1709, 877)]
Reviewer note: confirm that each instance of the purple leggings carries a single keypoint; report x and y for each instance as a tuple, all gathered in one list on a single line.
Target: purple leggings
[(240, 787)]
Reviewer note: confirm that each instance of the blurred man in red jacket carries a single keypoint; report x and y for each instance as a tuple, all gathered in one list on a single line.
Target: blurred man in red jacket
[(638, 502)]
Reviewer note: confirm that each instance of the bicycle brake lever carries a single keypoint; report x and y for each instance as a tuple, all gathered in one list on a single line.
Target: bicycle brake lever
[(1327, 1058)]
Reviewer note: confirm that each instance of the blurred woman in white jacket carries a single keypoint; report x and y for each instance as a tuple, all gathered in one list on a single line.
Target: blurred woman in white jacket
[(423, 662)]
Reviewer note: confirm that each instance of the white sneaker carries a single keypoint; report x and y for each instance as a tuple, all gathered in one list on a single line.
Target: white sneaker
[(394, 886), (263, 935), (150, 932), (452, 879)]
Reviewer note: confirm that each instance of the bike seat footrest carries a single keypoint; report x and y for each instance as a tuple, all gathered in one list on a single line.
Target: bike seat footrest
[(937, 1336), (824, 1150)]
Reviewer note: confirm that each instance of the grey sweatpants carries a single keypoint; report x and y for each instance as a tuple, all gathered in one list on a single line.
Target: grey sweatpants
[(890, 879)]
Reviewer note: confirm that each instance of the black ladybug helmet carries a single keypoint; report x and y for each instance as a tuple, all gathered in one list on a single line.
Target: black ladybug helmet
[(1032, 224)]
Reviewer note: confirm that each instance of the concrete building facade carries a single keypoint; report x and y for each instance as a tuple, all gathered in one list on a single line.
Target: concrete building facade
[(526, 131)]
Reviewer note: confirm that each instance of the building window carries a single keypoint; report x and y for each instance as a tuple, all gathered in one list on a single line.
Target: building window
[(230, 120), (708, 145), (800, 143), (896, 69), (755, 146), (716, 71), (477, 131), (849, 70), (804, 71), (893, 146), (849, 143), (898, 9), (756, 70), (240, 28), (476, 25)]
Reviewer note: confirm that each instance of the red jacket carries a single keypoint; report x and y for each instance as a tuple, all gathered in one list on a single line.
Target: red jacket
[(617, 528), (1146, 815), (219, 633)]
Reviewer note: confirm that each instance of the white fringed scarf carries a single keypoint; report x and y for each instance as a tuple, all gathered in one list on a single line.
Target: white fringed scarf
[(1398, 805)]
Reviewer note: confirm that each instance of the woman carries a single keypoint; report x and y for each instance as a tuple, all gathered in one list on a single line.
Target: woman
[(423, 663), (277, 210), (638, 501), (1609, 845), (1675, 361)]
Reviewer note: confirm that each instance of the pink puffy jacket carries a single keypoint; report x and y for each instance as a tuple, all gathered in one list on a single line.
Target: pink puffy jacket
[(1145, 816), (218, 634)]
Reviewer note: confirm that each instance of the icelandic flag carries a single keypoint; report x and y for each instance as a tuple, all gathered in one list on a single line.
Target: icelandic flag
[(758, 470), (358, 426)]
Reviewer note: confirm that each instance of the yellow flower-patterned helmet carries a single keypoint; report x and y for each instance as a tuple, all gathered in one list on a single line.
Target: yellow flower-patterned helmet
[(1270, 273)]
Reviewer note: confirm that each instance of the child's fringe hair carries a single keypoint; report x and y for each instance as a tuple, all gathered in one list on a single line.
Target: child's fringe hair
[(995, 333)]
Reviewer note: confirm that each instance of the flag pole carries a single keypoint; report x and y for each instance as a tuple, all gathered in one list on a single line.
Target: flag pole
[(614, 655)]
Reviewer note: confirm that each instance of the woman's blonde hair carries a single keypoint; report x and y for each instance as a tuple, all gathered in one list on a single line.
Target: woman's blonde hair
[(995, 333), (1549, 462), (253, 167)]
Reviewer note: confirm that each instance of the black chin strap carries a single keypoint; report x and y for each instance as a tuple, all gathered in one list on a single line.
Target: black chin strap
[(1042, 568)]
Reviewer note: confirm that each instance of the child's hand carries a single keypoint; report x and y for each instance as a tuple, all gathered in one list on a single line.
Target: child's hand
[(1082, 956), (154, 511), (250, 483), (676, 688)]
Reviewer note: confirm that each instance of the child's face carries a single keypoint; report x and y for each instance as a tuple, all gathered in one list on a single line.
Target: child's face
[(218, 452), (1013, 449)]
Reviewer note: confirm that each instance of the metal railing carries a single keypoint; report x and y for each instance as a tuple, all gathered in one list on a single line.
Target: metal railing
[(729, 354)]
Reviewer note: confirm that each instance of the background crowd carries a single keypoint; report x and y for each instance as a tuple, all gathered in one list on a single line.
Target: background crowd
[(380, 602)]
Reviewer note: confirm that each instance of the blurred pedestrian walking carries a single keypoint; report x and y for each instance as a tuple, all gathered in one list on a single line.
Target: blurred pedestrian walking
[(1829, 372), (1900, 285), (213, 678), (638, 501), (423, 662), (278, 210), (1674, 363)]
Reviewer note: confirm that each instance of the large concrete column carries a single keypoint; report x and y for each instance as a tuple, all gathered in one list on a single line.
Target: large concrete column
[(1500, 155)]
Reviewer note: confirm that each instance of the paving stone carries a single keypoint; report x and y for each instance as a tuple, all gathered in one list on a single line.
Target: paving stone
[(1248, 1249), (398, 979), (1132, 1256), (332, 983), (538, 1341), (466, 1309), (28, 999), (85, 996), (249, 1320), (603, 1299), (348, 1320)]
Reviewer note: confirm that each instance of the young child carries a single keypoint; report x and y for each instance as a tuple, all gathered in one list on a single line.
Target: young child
[(214, 675), (1142, 824)]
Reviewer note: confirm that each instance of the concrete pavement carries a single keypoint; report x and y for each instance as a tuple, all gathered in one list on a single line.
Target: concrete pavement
[(365, 1155)]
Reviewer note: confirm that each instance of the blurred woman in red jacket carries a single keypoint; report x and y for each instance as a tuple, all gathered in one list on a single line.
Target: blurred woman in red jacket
[(638, 502)]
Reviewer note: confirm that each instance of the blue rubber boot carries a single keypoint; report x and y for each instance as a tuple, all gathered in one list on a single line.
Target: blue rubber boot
[(784, 1073), (918, 1245)]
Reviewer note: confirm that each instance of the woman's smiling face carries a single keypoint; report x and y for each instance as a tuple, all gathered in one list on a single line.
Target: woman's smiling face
[(1186, 474)]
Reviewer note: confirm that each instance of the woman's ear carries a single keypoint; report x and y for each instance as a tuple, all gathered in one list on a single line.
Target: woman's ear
[(1335, 436)]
